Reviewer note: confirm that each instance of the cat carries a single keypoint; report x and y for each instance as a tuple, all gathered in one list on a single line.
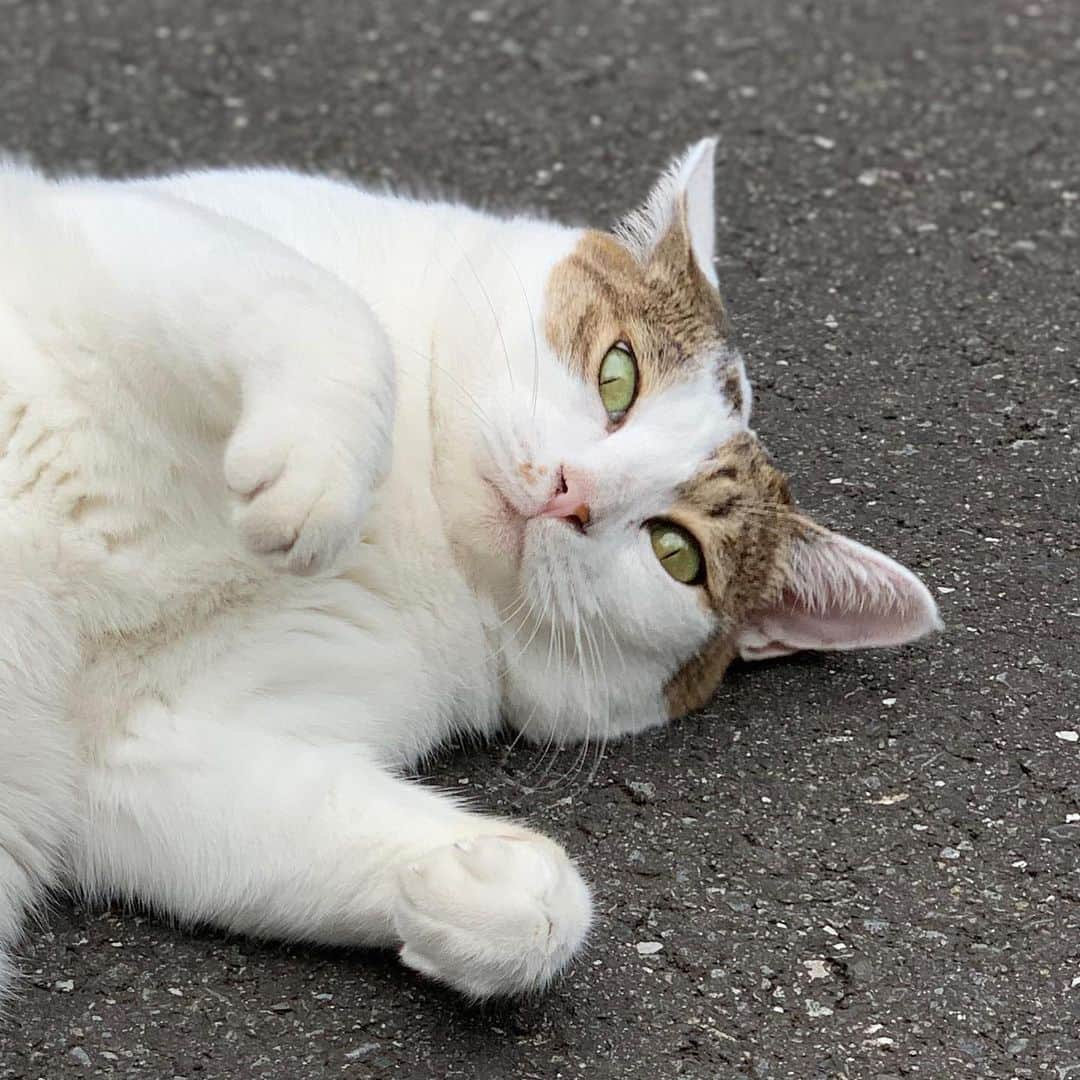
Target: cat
[(298, 480)]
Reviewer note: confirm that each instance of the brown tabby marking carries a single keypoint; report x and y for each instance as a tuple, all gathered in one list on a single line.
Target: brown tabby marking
[(737, 506), (739, 509), (665, 310), (692, 686), (732, 387)]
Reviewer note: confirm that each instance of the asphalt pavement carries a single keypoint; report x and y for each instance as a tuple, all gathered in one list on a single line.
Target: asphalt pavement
[(847, 866)]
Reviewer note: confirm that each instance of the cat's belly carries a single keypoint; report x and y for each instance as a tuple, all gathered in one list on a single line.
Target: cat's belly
[(127, 529), (176, 619), (130, 526), (175, 626), (107, 530)]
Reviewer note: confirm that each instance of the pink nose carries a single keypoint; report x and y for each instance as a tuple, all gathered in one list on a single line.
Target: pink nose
[(570, 502)]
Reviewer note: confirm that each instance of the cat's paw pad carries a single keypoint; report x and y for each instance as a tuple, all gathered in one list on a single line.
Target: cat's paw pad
[(298, 500), (492, 915)]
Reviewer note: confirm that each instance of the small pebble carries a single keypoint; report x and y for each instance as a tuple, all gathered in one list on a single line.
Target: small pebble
[(361, 1050), (891, 800), (1068, 736), (641, 791), (81, 1056), (648, 948)]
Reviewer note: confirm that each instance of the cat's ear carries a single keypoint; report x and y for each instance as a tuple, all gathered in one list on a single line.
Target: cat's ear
[(679, 208), (839, 594)]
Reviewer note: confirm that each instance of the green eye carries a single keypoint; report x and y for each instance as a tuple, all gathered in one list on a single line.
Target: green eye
[(677, 551), (618, 380)]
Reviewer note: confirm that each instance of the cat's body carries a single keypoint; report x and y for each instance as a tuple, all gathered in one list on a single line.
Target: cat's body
[(297, 480)]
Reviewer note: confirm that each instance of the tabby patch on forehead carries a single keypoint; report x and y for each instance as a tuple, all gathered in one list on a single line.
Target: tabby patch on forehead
[(664, 309)]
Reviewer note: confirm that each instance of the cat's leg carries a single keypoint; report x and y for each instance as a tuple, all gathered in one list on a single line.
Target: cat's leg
[(239, 336), (264, 834)]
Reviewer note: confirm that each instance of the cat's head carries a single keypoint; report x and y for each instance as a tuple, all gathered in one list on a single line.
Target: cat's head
[(603, 487)]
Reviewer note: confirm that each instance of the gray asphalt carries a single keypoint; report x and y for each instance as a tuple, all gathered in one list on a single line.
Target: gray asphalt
[(857, 866)]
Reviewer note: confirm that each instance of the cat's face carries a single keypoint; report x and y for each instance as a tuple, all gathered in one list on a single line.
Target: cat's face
[(604, 490)]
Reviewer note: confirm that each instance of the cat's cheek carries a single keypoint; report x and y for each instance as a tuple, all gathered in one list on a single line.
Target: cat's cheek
[(500, 529), (507, 537)]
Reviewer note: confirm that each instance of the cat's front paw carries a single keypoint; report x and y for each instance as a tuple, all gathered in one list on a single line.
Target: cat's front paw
[(492, 915), (300, 495)]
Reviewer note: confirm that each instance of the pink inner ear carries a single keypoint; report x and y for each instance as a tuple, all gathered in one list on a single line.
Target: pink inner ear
[(843, 596)]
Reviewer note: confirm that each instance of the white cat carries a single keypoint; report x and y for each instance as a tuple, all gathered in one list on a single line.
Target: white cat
[(296, 480)]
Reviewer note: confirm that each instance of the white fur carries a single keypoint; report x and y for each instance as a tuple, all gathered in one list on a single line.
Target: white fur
[(254, 427)]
